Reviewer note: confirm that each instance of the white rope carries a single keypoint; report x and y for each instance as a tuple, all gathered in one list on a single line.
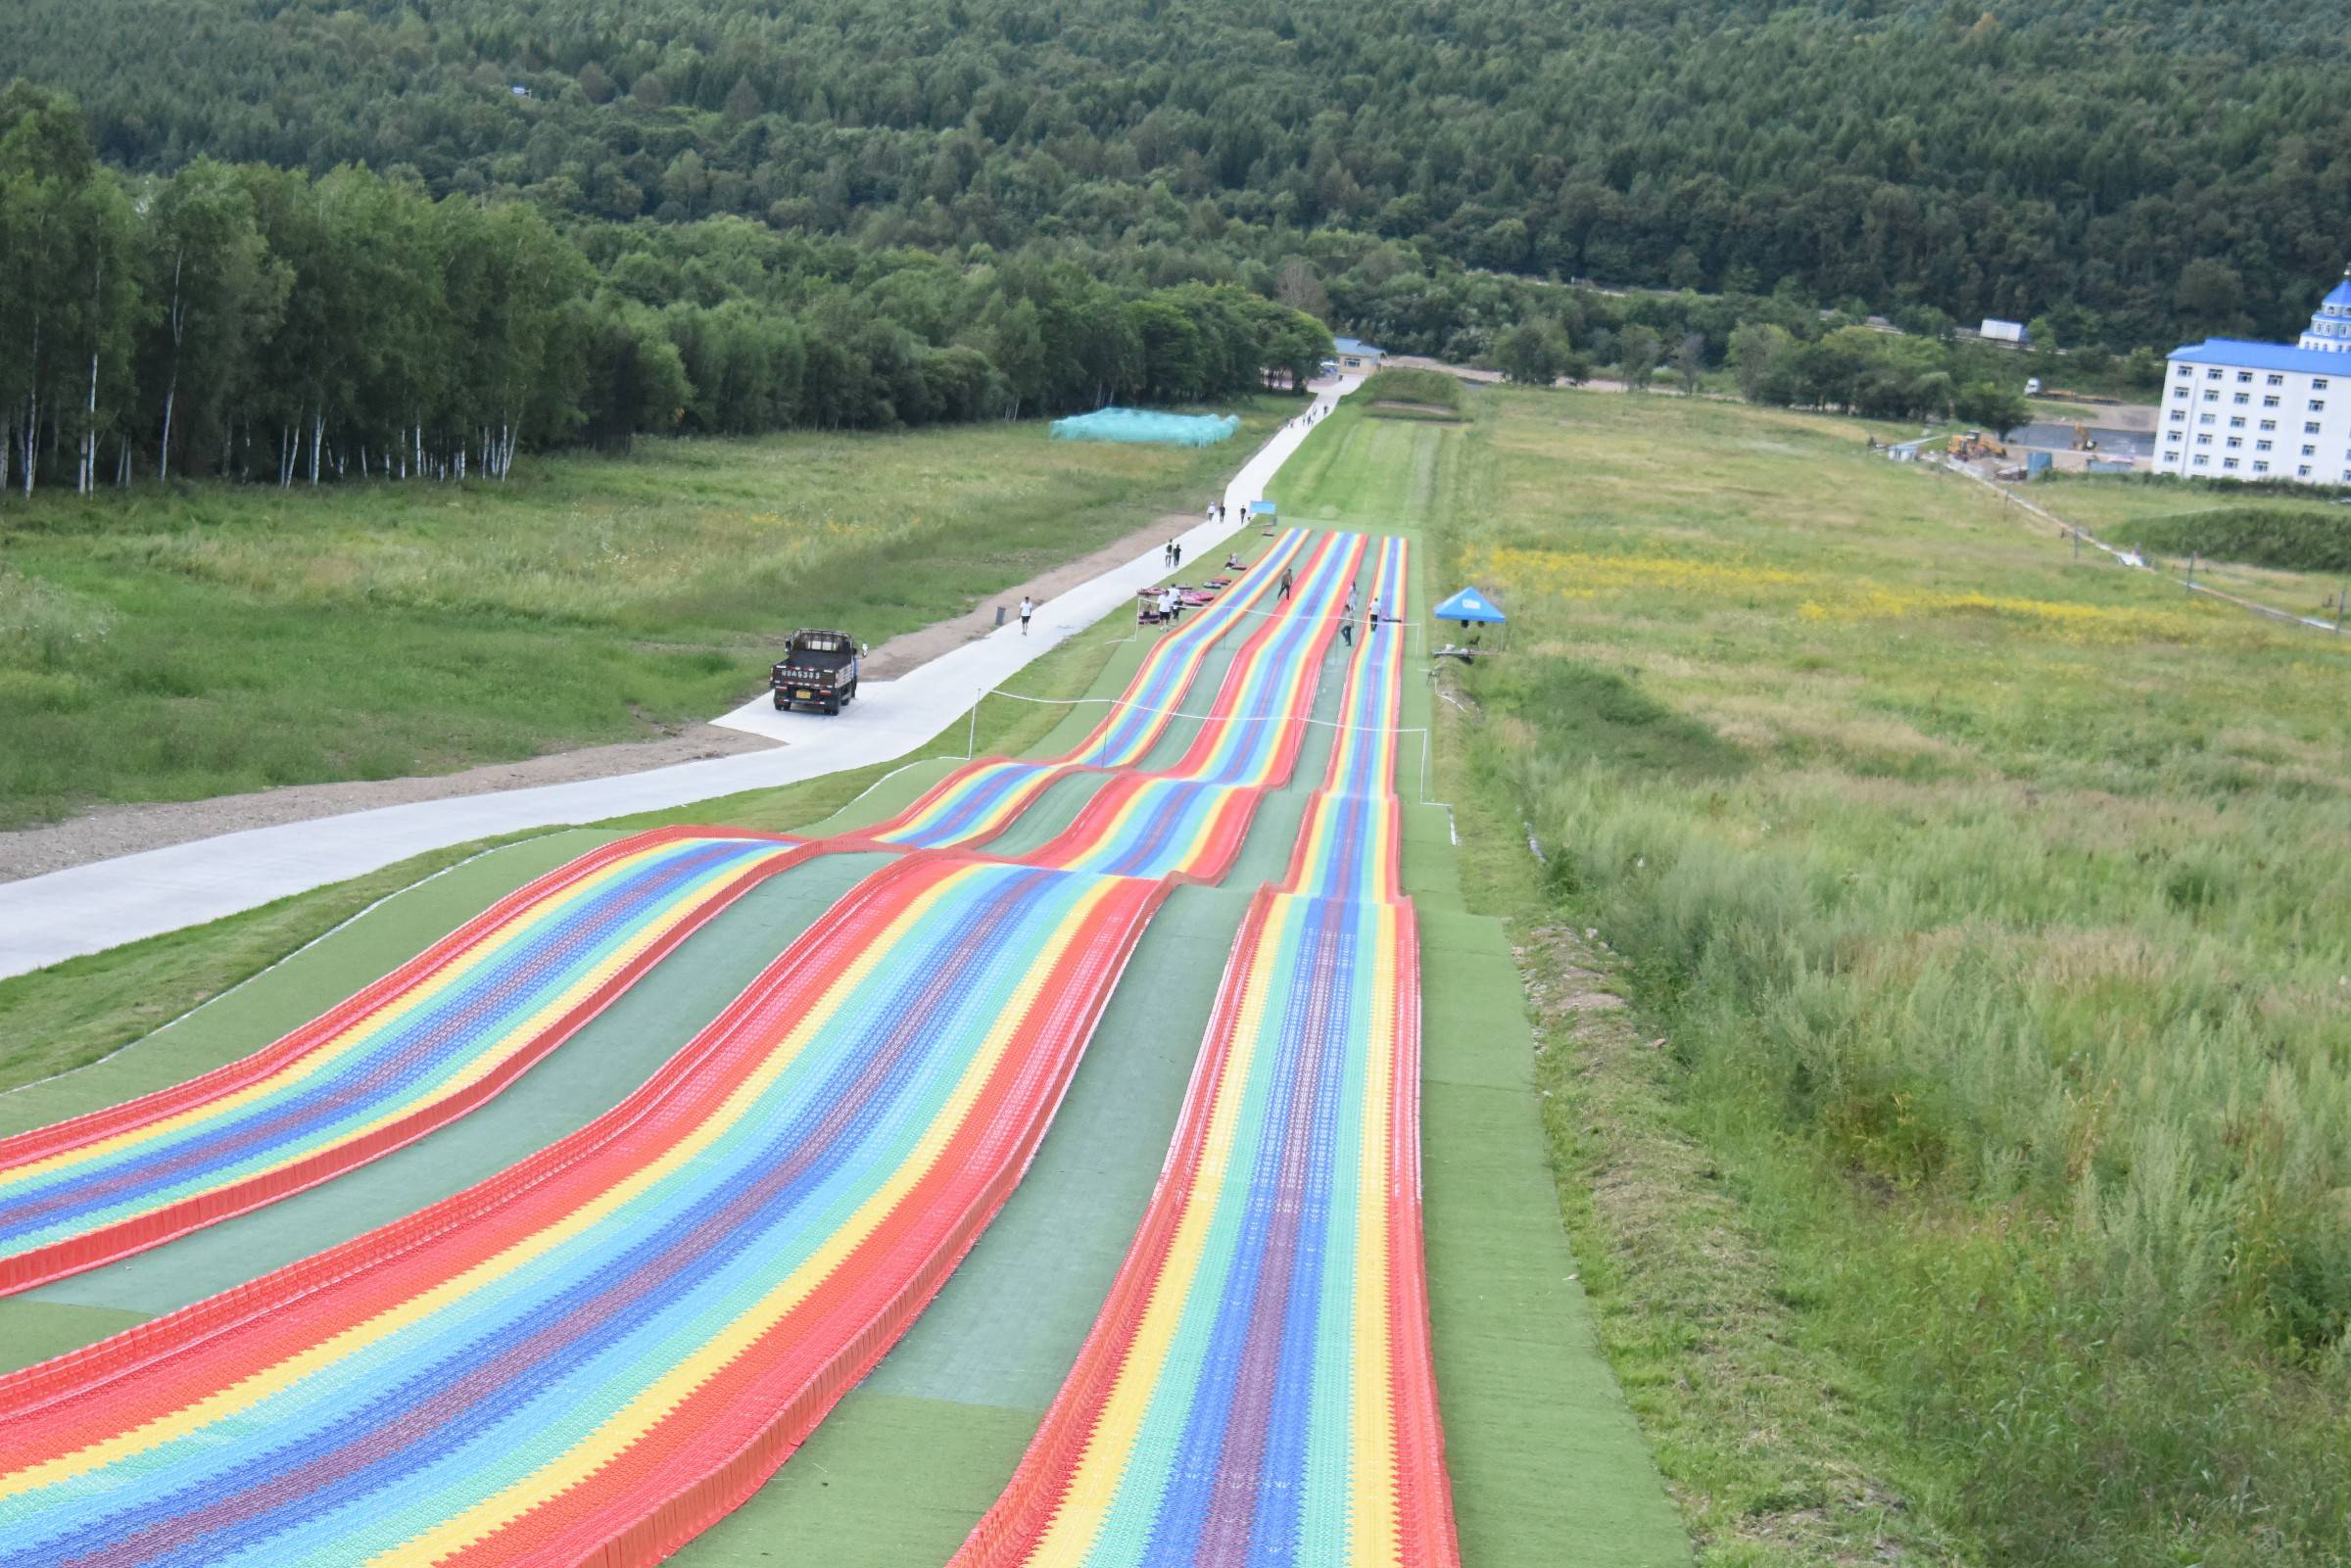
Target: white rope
[(1205, 718), (83, 1067)]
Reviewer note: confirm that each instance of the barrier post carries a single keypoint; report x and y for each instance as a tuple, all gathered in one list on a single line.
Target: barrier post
[(971, 737)]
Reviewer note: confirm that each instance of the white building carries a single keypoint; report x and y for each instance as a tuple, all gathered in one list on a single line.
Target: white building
[(2234, 409)]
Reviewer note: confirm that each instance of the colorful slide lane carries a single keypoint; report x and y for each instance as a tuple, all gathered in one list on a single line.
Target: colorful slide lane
[(1190, 818), (1259, 1387), (594, 1355), (979, 800), (450, 1029), (424, 1045), (608, 1344)]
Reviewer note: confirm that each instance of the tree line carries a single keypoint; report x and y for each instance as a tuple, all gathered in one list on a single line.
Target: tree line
[(271, 324), (2130, 172)]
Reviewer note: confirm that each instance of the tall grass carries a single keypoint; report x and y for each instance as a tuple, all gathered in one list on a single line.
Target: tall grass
[(2010, 948)]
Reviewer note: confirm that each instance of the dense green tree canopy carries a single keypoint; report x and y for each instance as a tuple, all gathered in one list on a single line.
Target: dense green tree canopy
[(264, 322), (2128, 170)]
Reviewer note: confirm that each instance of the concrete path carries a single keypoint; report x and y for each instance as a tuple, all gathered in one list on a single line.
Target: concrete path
[(87, 908)]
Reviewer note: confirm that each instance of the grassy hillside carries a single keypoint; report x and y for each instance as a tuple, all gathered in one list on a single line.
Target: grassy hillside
[(1974, 1188), (172, 645)]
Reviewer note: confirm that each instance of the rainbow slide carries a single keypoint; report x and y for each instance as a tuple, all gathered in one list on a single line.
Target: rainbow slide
[(1258, 1388), (451, 1028), (596, 1353), (417, 1049)]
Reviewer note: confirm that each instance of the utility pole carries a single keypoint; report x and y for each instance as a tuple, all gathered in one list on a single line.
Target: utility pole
[(2191, 571)]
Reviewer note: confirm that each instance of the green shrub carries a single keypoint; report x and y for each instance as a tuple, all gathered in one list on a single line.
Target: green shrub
[(1433, 387), (2290, 539)]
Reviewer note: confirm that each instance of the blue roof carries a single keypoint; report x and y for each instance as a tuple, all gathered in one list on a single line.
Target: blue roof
[(2341, 293), (1466, 606), (1357, 346), (2263, 357)]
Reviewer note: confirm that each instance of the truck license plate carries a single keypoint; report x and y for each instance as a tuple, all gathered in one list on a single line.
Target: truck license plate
[(807, 696)]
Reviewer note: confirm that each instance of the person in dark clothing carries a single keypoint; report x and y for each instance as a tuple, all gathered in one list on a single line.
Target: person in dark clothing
[(1347, 620), (1285, 584), (1178, 561)]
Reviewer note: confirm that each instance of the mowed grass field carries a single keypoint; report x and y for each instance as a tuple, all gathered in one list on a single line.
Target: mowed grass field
[(1969, 1175), (178, 644)]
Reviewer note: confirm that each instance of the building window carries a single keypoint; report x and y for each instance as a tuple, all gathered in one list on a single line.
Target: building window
[(2212, 375), (2212, 397), (2269, 402), (2310, 427), (2244, 375), (2268, 424), (2302, 472), (2276, 381), (2261, 468), (2318, 383), (2236, 421), (2206, 418), (2203, 461), (2261, 445), (2235, 442), (2228, 463), (2318, 406), (2243, 398), (2309, 451), (2178, 391), (2174, 435), (2203, 440), (2179, 416)]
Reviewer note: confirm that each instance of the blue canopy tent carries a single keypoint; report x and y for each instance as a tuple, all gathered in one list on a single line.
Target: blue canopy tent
[(1265, 513), (1471, 608)]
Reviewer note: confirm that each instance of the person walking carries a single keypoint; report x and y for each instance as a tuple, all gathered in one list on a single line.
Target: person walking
[(1167, 554), (1285, 585), (1178, 552), (1027, 609), (1347, 618)]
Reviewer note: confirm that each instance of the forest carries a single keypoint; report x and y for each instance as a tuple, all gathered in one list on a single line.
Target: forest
[(2131, 172), (270, 324)]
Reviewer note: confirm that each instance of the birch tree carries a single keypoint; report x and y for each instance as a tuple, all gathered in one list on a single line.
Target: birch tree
[(219, 295)]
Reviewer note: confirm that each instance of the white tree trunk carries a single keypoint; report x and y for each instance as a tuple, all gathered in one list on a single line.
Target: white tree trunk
[(317, 438), (163, 464), (89, 433)]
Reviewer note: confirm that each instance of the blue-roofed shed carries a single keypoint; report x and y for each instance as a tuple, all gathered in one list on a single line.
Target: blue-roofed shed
[(1354, 354)]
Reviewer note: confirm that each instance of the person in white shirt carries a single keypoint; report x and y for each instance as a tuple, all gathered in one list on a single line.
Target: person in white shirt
[(1027, 609)]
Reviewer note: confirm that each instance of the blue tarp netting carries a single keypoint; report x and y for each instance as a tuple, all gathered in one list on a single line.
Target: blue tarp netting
[(1145, 424)]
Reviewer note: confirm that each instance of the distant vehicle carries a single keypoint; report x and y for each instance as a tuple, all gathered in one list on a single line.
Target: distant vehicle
[(819, 670), (2031, 386), (1328, 367), (2000, 331)]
